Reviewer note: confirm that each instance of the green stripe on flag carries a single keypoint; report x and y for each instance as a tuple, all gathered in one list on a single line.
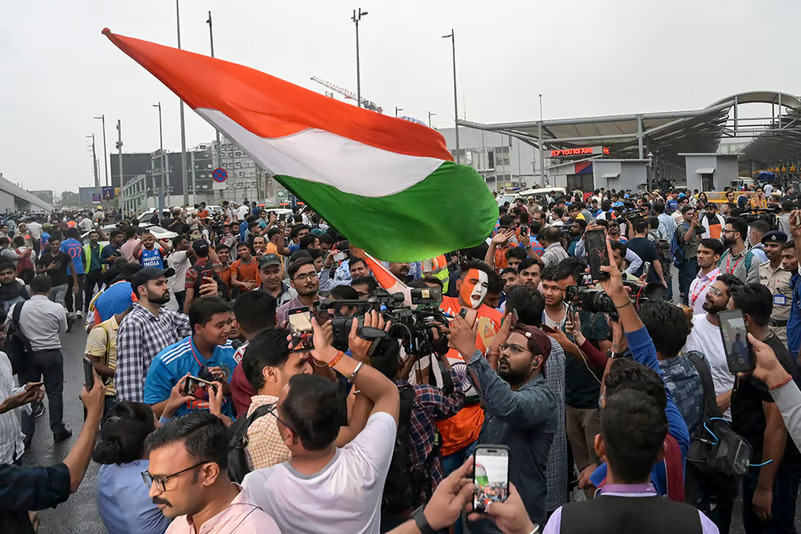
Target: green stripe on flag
[(450, 209)]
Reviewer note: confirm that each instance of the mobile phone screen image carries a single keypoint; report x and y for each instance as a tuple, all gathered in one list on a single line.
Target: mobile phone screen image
[(88, 374), (735, 341), (301, 329), (490, 475), (197, 387), (596, 253)]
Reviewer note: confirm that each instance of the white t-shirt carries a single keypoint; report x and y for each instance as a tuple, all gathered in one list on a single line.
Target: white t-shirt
[(705, 338), (242, 212), (344, 496), (85, 225), (178, 261)]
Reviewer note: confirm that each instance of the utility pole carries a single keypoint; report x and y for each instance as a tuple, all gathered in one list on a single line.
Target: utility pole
[(119, 150), (163, 166), (429, 118), (94, 161), (397, 109), (357, 16), (102, 119), (211, 42), (542, 152), (184, 177), (452, 37)]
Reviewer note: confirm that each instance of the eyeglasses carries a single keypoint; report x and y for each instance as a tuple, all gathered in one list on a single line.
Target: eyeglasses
[(715, 291), (161, 481), (272, 410), (308, 276), (513, 347)]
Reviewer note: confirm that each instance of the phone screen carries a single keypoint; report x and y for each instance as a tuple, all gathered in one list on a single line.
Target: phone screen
[(197, 387), (301, 329), (735, 341), (88, 374), (490, 475), (597, 253)]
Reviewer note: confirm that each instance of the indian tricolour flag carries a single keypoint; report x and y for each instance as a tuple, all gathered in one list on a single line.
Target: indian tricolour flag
[(389, 185)]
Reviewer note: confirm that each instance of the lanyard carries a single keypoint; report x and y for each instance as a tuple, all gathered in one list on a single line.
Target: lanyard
[(194, 354), (736, 263), (697, 294)]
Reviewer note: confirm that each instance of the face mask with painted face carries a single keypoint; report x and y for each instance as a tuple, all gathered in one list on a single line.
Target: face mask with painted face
[(474, 288)]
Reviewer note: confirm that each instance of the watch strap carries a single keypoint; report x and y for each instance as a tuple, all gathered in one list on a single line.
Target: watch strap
[(421, 521)]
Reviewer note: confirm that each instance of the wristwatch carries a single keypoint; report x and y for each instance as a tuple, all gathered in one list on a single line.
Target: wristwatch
[(421, 521), (612, 354)]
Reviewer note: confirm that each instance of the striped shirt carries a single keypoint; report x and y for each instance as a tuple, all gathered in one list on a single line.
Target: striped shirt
[(11, 446)]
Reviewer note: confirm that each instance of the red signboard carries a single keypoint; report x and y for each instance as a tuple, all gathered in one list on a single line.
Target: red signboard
[(583, 151)]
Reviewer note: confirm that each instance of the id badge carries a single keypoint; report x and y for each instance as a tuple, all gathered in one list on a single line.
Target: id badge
[(779, 300)]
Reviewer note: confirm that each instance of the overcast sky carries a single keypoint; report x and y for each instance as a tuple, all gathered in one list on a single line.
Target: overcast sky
[(587, 57)]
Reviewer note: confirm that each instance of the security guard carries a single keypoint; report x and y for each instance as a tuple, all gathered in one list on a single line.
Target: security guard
[(774, 277)]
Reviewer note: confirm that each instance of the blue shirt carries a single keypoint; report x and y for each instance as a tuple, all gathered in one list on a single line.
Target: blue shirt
[(123, 500), (151, 257), (671, 206), (180, 358), (73, 248), (794, 322), (115, 299), (243, 231), (108, 251)]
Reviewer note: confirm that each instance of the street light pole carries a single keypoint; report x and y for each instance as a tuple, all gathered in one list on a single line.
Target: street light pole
[(357, 16), (94, 161), (452, 37), (184, 177), (102, 119), (429, 118), (119, 150), (163, 166), (211, 42), (397, 109), (542, 152)]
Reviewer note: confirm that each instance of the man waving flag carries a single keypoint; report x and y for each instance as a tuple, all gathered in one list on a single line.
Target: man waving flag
[(389, 185)]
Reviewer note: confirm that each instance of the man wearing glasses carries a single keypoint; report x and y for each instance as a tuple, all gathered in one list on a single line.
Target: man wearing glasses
[(188, 479), (303, 278)]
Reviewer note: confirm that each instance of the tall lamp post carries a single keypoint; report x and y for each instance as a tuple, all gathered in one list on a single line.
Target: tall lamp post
[(119, 150), (94, 160), (397, 109), (542, 152), (102, 118), (429, 118), (357, 16), (452, 37), (210, 22), (184, 177), (162, 186)]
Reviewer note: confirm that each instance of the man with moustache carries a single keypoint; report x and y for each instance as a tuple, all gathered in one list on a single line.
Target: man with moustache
[(709, 251), (400, 270), (460, 432), (737, 259), (773, 276), (188, 479), (303, 278)]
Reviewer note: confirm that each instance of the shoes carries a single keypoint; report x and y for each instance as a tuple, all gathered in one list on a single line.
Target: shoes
[(38, 408), (27, 441), (70, 321), (61, 435), (79, 314)]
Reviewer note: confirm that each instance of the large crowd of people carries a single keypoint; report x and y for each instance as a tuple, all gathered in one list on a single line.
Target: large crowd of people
[(209, 411)]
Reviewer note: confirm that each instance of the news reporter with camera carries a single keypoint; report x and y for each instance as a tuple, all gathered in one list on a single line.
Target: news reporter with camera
[(642, 351)]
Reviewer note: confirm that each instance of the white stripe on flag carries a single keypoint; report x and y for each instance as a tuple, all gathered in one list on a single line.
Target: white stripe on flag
[(323, 157)]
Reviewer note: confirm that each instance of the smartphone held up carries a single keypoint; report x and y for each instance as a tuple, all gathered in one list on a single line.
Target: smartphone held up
[(490, 475), (739, 353)]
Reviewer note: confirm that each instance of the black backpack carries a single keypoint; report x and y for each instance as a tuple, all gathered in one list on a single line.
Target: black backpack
[(237, 458), (17, 346), (718, 457), (400, 493), (222, 289)]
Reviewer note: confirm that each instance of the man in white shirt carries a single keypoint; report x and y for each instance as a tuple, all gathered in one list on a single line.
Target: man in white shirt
[(709, 252), (243, 211), (705, 338), (179, 261), (323, 488)]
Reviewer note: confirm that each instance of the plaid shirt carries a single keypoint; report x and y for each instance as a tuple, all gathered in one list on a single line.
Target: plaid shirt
[(430, 405), (556, 470), (265, 447), (141, 336)]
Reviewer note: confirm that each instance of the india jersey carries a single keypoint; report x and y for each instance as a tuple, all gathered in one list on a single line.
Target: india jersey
[(152, 257)]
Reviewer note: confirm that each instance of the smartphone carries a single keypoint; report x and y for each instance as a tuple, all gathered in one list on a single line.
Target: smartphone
[(647, 270), (463, 313), (340, 256), (300, 328), (524, 230), (88, 374), (516, 316), (490, 475), (739, 355), (597, 253), (198, 388)]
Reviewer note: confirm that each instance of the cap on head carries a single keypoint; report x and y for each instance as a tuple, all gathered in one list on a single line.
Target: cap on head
[(774, 236), (147, 274), (268, 260), (201, 247)]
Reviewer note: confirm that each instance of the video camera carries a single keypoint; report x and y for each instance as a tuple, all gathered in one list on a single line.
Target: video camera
[(761, 214), (597, 301), (631, 213), (412, 326)]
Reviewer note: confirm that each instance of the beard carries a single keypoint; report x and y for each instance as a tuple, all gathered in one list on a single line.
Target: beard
[(511, 376), (729, 241), (156, 298), (713, 308)]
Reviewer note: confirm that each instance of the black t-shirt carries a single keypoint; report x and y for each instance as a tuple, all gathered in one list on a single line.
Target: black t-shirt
[(582, 386), (646, 250), (57, 276), (748, 417)]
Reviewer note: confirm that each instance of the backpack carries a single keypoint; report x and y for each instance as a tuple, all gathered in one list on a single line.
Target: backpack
[(237, 457), (222, 289), (17, 346), (677, 251), (717, 456), (662, 246), (401, 488)]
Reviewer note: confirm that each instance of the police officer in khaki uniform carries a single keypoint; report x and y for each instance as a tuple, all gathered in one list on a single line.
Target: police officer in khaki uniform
[(772, 275)]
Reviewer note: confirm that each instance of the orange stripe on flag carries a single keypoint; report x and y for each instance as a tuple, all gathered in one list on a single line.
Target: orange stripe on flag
[(270, 107), (387, 280)]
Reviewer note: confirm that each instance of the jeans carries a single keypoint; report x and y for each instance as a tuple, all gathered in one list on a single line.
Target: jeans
[(93, 278), (57, 294), (451, 463), (50, 364), (785, 492), (180, 297), (668, 280), (687, 273), (71, 296)]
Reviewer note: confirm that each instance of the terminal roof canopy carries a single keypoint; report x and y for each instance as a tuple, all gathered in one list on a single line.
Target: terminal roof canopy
[(667, 134)]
